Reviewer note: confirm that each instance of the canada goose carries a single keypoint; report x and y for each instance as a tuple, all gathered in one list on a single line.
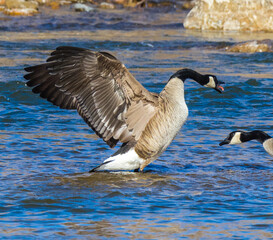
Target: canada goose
[(238, 137), (114, 104)]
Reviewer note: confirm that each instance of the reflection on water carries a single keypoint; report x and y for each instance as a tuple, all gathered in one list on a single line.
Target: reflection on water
[(195, 190)]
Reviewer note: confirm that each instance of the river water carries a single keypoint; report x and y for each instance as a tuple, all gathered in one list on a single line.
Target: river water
[(195, 190)]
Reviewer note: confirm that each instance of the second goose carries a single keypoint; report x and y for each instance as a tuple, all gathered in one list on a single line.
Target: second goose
[(238, 137), (114, 104)]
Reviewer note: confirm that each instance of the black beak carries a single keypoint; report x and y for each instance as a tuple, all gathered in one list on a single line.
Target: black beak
[(218, 87), (225, 141)]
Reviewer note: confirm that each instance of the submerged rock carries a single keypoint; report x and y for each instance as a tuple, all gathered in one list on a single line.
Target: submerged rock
[(231, 15), (252, 46)]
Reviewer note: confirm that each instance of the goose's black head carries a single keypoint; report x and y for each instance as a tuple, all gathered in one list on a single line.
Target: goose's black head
[(238, 137), (207, 80), (213, 82), (232, 138)]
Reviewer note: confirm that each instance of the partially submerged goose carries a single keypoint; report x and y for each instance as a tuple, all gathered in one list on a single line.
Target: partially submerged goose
[(238, 137), (114, 104)]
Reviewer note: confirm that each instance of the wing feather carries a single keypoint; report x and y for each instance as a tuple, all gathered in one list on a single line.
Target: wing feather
[(109, 99)]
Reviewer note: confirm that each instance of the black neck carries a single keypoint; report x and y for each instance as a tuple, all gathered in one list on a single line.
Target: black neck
[(185, 73), (260, 136)]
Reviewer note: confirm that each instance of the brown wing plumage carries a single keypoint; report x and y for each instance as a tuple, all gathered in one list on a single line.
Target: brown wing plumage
[(110, 100)]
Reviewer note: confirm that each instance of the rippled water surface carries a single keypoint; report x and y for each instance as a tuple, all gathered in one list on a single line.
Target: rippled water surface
[(195, 190)]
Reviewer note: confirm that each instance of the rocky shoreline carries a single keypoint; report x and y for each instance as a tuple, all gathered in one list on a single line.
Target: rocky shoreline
[(206, 15), (31, 7)]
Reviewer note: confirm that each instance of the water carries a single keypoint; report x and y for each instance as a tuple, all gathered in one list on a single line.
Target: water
[(195, 190)]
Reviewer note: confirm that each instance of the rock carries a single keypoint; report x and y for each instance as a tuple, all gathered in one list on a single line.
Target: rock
[(20, 7), (188, 5), (252, 46), (42, 1), (21, 4), (106, 5), (126, 3), (231, 15), (54, 5), (120, 1), (79, 7)]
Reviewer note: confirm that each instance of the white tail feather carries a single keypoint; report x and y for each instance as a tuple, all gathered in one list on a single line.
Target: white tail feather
[(126, 161)]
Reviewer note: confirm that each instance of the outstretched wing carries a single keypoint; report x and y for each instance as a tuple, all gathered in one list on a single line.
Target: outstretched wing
[(110, 100)]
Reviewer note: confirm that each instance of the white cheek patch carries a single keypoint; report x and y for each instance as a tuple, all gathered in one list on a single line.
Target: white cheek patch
[(211, 83), (236, 138)]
